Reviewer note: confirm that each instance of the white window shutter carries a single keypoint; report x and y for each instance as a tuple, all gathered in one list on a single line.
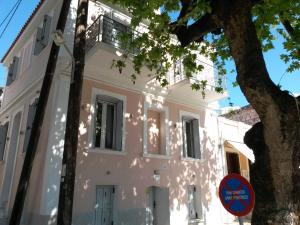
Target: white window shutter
[(99, 205), (191, 202), (30, 118), (46, 30), (119, 125), (196, 138), (42, 36), (13, 70), (3, 133)]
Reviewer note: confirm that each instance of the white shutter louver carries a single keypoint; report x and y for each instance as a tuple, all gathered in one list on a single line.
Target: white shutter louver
[(30, 118), (42, 36), (119, 125), (13, 70), (3, 133), (196, 138)]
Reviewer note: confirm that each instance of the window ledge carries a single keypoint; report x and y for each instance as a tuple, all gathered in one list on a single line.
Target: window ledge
[(106, 151), (195, 221), (188, 159), (157, 156)]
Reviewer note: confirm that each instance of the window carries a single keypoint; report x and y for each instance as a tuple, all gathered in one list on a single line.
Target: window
[(3, 137), (194, 203), (191, 137), (30, 118), (42, 35), (26, 56), (108, 128), (156, 133), (12, 71), (104, 205)]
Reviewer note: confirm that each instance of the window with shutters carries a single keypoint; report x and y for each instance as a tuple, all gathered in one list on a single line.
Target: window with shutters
[(108, 123), (191, 136), (26, 56), (104, 205), (12, 71), (42, 35), (3, 139), (156, 132), (194, 203), (30, 117)]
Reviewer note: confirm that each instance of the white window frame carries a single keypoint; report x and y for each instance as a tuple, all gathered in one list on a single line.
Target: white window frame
[(190, 115), (91, 136), (164, 137)]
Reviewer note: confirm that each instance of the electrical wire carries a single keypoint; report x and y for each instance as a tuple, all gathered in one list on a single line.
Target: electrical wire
[(10, 11), (16, 8)]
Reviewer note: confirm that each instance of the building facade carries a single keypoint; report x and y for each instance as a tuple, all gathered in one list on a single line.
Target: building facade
[(146, 154)]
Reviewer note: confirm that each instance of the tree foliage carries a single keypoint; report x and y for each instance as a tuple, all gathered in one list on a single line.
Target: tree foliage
[(158, 49)]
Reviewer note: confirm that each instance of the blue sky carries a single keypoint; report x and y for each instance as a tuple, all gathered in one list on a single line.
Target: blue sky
[(275, 66)]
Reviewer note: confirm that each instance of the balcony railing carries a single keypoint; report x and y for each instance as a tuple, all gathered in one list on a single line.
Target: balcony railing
[(208, 74), (109, 31)]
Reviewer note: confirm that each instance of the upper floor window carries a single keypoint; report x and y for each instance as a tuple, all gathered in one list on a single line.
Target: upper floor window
[(30, 118), (42, 35), (12, 71), (156, 132), (191, 136), (108, 128), (3, 138)]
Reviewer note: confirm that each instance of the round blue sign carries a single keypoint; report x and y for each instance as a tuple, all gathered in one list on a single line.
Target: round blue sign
[(236, 194)]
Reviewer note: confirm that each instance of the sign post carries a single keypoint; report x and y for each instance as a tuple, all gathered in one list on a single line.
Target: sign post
[(236, 195)]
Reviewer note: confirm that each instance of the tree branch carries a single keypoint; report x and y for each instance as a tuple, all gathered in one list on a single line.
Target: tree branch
[(196, 31), (290, 30)]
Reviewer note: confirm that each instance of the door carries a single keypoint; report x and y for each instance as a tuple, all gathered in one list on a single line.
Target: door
[(104, 205), (10, 161), (233, 162), (158, 210)]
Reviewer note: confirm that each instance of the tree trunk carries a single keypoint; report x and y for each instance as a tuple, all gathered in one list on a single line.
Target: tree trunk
[(279, 148), (66, 191)]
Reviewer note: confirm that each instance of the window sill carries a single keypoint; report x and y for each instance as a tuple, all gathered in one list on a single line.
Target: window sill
[(106, 151), (195, 221), (191, 159), (156, 156)]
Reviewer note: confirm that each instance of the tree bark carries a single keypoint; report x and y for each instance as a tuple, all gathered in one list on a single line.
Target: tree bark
[(17, 210), (66, 192), (280, 123)]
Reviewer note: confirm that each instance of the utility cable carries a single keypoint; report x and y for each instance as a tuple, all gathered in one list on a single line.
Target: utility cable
[(16, 8), (10, 11)]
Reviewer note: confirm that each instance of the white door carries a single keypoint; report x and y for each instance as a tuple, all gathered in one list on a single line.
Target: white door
[(104, 205)]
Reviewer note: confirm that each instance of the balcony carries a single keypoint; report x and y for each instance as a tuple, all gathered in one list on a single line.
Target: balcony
[(103, 45), (180, 85)]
